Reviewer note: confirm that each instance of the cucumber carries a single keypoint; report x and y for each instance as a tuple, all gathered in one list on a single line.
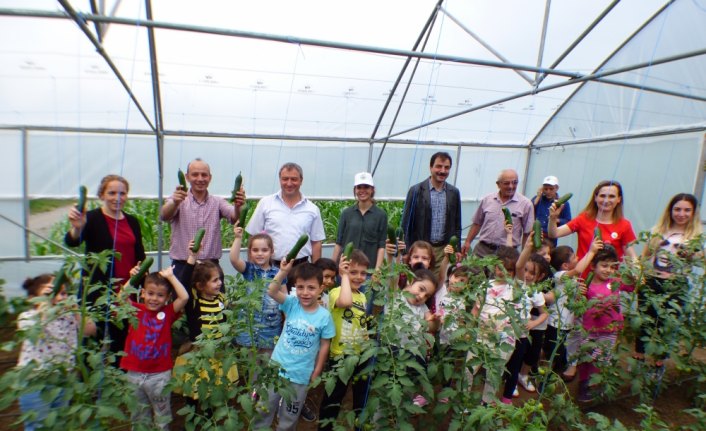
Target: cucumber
[(508, 215), (564, 199), (589, 279), (236, 186), (348, 250), (392, 234), (197, 240), (243, 215), (135, 279), (537, 237), (297, 247), (59, 280), (597, 233), (182, 181), (81, 205), (453, 242)]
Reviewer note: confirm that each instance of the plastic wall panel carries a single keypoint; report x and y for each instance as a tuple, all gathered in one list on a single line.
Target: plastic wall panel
[(60, 162), (328, 167), (11, 203), (651, 171)]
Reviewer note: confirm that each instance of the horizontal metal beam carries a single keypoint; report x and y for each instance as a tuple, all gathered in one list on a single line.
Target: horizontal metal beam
[(292, 40), (596, 76), (622, 137), (245, 136)]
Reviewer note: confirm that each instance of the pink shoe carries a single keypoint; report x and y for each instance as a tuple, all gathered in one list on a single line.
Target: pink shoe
[(506, 400), (443, 400), (420, 401)]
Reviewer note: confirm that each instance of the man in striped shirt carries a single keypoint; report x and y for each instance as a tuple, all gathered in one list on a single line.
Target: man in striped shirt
[(187, 211)]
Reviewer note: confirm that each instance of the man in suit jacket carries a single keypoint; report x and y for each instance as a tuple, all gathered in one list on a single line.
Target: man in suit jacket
[(432, 210)]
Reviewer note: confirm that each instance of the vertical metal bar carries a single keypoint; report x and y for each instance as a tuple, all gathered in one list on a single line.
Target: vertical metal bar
[(25, 193), (159, 124), (544, 38), (370, 156), (700, 180), (458, 163), (527, 165)]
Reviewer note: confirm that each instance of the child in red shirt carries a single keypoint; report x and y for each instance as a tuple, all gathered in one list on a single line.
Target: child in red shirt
[(148, 348)]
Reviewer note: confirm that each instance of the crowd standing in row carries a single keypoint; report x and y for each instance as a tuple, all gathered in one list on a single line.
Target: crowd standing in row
[(311, 336)]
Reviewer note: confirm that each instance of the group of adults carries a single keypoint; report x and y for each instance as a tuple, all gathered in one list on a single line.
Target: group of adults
[(432, 213)]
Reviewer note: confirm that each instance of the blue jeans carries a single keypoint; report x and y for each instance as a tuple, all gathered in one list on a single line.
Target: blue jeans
[(33, 402)]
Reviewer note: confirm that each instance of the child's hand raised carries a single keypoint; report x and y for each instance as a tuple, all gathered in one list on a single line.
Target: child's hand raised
[(285, 266), (343, 266), (508, 228), (596, 245), (167, 272), (135, 269), (449, 249), (554, 211), (237, 230)]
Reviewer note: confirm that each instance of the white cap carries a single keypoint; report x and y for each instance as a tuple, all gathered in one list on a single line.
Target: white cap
[(363, 178), (551, 180)]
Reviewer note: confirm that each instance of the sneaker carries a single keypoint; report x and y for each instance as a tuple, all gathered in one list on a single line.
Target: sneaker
[(585, 393), (420, 401), (308, 413), (515, 393), (526, 383), (506, 400), (443, 400)]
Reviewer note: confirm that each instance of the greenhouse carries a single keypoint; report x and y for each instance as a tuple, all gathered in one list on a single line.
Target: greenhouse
[(581, 90)]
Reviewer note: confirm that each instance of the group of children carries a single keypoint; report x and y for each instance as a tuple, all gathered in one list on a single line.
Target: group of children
[(524, 306)]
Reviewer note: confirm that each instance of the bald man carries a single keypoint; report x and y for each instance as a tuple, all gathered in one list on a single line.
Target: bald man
[(488, 222), (187, 211)]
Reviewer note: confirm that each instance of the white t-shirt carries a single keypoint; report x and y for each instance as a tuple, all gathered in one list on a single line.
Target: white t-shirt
[(560, 316), (449, 306), (524, 306)]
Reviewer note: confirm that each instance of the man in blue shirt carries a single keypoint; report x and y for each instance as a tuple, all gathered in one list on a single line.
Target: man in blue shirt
[(432, 210), (546, 195)]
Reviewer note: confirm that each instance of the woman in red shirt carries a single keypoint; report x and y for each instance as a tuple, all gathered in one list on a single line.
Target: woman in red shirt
[(108, 228), (605, 212)]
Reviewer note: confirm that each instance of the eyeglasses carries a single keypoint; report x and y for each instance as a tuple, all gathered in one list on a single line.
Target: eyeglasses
[(507, 183)]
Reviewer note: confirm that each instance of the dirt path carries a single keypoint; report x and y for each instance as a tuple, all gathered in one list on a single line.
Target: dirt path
[(41, 223)]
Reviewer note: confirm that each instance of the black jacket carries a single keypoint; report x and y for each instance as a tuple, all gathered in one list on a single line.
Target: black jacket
[(97, 237), (416, 219)]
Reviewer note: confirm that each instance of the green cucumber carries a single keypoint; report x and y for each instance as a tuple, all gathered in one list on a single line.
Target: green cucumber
[(508, 215), (236, 186), (144, 267), (182, 181), (59, 280), (597, 233), (348, 250), (243, 215), (81, 205), (297, 247), (589, 279), (197, 240), (537, 237), (453, 242), (392, 234), (564, 199)]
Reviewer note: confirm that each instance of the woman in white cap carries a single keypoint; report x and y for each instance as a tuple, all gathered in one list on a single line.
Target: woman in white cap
[(364, 223)]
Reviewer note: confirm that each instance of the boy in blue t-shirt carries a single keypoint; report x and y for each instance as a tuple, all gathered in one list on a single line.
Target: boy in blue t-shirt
[(303, 347)]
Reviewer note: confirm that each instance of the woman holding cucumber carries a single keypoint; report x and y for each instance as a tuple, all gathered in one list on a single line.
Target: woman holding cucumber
[(670, 252), (603, 215), (108, 228), (364, 223)]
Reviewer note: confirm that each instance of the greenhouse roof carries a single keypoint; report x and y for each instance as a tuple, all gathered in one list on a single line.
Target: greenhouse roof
[(508, 73)]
